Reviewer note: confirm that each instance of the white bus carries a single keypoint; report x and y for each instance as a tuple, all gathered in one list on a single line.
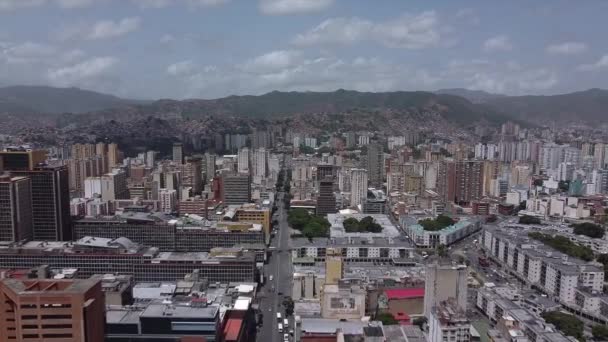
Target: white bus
[(280, 327)]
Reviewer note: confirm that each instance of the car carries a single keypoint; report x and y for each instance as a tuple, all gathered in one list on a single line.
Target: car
[(271, 277), (280, 293)]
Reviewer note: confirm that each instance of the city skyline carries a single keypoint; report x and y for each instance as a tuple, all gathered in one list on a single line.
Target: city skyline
[(152, 49)]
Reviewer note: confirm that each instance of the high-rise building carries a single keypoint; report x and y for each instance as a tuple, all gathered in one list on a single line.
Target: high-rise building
[(260, 163), (114, 186), (351, 139), (243, 160), (358, 187), (260, 139), (15, 209), (151, 158), (19, 160), (168, 200), (191, 175), (326, 200), (236, 188), (209, 166), (113, 155), (445, 282), (52, 310), (50, 202), (178, 153), (448, 322), (375, 165), (460, 181)]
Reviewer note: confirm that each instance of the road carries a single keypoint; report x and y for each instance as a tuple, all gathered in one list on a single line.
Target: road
[(280, 267)]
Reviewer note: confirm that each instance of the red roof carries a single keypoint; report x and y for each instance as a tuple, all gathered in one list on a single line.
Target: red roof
[(232, 329), (404, 293)]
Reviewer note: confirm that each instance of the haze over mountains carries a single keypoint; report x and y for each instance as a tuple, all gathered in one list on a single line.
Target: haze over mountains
[(460, 106)]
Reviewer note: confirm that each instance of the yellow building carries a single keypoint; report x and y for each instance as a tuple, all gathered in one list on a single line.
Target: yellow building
[(250, 213)]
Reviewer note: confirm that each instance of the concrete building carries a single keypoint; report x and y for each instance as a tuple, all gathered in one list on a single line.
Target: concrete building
[(244, 160), (168, 200), (326, 200), (178, 153), (236, 188), (51, 310), (114, 186), (460, 181), (353, 250), (343, 301), (375, 165), (15, 208), (447, 236), (113, 156), (442, 283), (358, 186), (448, 322)]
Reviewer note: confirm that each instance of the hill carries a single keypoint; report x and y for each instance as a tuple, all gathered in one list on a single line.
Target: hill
[(585, 106), (41, 99), (475, 96)]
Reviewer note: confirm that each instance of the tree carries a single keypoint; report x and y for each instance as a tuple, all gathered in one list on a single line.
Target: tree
[(529, 220), (386, 318), (566, 323), (419, 321), (439, 223), (600, 332), (442, 250), (351, 225), (288, 304), (589, 229)]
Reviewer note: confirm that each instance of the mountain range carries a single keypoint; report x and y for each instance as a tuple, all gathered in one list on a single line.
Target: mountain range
[(459, 106)]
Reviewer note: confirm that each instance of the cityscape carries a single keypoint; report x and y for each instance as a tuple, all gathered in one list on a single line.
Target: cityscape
[(345, 205)]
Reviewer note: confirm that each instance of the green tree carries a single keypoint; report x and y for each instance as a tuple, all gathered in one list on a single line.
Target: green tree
[(289, 305), (386, 318), (351, 225), (419, 321), (442, 250), (529, 220), (566, 323), (600, 332), (589, 229)]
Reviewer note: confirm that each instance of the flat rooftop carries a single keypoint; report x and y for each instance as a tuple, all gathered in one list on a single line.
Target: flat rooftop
[(337, 227)]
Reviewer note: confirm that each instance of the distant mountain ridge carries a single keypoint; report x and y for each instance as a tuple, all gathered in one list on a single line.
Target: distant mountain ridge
[(475, 96), (42, 99)]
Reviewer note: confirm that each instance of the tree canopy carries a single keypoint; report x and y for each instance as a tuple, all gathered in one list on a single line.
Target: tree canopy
[(386, 318), (529, 220), (566, 323), (367, 224), (589, 229), (600, 332), (439, 223), (311, 226), (564, 245)]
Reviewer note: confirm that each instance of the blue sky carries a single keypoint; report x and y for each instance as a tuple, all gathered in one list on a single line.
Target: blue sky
[(213, 48)]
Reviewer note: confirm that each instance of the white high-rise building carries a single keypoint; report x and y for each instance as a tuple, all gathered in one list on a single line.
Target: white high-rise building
[(551, 155), (243, 160), (168, 200), (260, 163), (565, 171), (358, 186), (92, 186), (572, 155)]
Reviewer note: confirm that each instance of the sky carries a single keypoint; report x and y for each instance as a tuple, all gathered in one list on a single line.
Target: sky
[(150, 49)]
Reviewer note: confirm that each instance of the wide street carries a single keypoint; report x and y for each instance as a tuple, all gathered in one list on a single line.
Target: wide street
[(280, 268)]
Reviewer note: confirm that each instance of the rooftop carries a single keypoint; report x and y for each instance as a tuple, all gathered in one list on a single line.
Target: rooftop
[(337, 229)]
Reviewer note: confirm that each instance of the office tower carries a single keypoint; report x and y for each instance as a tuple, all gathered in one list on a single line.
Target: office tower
[(326, 200), (83, 151), (192, 175), (178, 153), (15, 209), (52, 310), (351, 139), (358, 187), (260, 163), (151, 158), (587, 149), (18, 160), (243, 160), (344, 182), (209, 166), (168, 200), (50, 202), (334, 268), (442, 283), (114, 186), (375, 165), (325, 171), (236, 188), (460, 181), (113, 155)]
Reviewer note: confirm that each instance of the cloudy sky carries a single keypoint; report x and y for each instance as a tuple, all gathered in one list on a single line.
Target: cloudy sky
[(212, 48)]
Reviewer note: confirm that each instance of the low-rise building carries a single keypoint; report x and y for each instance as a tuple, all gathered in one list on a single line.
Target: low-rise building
[(464, 227)]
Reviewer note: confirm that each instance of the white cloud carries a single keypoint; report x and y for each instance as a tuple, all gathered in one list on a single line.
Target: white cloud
[(27, 53), (498, 43), (8, 5), (567, 48), (181, 68), (74, 3), (74, 74), (109, 29), (272, 61), (408, 31), (602, 63), (166, 3), (167, 38), (282, 7)]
